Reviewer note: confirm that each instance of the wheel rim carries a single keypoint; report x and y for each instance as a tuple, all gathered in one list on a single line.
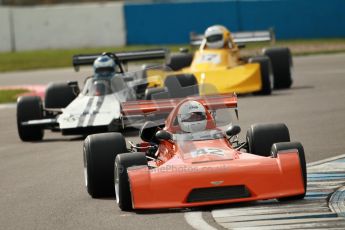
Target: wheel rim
[(117, 183), (85, 167)]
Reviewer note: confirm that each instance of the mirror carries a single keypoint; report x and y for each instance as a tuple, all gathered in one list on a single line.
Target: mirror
[(233, 130), (72, 83), (163, 135), (75, 87)]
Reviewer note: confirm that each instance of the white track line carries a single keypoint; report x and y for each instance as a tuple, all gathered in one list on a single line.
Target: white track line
[(195, 220), (7, 106), (326, 160)]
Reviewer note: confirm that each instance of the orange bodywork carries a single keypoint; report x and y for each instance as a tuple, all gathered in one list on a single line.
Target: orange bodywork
[(169, 185), (188, 166)]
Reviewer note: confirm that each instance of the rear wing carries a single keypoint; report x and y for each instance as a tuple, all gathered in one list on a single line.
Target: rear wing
[(240, 37), (160, 106), (122, 57)]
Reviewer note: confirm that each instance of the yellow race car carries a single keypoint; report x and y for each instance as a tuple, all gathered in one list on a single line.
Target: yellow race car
[(218, 63)]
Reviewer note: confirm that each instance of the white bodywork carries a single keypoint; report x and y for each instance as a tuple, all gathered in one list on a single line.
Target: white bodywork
[(88, 110), (94, 108), (97, 108)]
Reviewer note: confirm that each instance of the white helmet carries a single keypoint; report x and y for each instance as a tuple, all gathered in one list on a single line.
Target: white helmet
[(192, 117), (216, 37), (104, 66)]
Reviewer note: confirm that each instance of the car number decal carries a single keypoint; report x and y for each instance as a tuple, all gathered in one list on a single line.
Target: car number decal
[(213, 58), (214, 151)]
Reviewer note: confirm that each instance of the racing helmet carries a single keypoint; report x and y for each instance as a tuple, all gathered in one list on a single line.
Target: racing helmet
[(104, 66), (192, 117), (217, 36)]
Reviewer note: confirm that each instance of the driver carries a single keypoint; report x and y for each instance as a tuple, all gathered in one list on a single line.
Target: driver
[(192, 117), (104, 67), (218, 37)]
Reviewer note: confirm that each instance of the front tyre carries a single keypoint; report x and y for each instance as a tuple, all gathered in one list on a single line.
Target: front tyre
[(288, 146), (99, 153), (59, 95), (122, 187), (261, 137), (180, 60), (29, 108)]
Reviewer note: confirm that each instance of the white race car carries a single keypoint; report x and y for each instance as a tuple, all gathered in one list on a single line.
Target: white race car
[(96, 108)]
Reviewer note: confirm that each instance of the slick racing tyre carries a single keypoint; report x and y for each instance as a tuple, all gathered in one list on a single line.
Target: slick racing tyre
[(29, 108), (266, 74), (99, 153), (288, 146), (180, 60), (261, 137), (281, 60), (122, 187), (184, 79), (176, 86), (59, 95), (181, 85)]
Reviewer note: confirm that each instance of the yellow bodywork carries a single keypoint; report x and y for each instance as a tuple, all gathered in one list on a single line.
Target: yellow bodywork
[(217, 71)]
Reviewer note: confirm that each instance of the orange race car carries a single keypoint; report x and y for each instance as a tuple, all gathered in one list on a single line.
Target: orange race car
[(195, 158)]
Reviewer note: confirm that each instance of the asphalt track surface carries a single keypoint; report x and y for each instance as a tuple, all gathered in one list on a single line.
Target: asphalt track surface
[(42, 184)]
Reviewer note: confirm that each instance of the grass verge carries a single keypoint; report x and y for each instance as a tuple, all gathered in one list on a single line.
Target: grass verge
[(10, 95), (45, 59)]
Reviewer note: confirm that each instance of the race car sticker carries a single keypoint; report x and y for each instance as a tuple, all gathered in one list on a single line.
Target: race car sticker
[(204, 151), (212, 58)]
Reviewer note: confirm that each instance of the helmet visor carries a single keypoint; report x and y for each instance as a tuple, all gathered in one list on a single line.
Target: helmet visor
[(215, 38), (104, 70), (193, 116)]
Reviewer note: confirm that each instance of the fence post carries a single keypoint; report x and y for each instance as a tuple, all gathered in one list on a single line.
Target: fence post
[(12, 30)]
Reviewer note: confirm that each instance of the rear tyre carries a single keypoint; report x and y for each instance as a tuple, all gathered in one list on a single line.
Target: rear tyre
[(180, 60), (281, 60), (29, 108), (265, 70), (99, 153), (59, 95), (181, 85), (293, 145), (184, 79), (261, 137), (122, 187)]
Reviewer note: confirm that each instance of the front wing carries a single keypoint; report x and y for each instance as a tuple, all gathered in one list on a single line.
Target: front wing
[(179, 186)]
